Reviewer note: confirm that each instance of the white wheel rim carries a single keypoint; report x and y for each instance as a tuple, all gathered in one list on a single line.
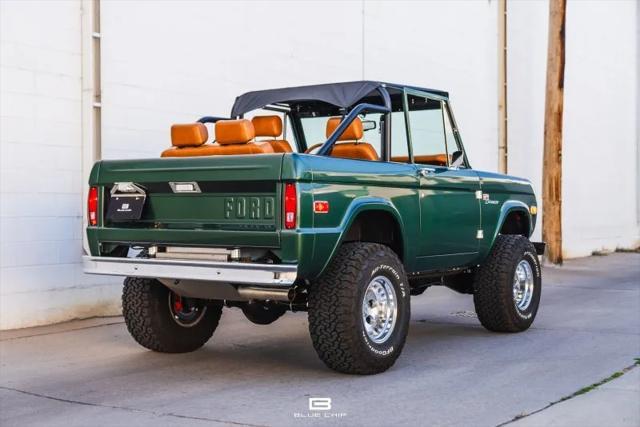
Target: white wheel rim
[(523, 285), (379, 309)]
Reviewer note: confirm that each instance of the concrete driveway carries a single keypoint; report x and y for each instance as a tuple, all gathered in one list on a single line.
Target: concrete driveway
[(452, 372)]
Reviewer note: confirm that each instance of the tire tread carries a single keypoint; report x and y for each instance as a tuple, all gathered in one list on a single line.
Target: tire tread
[(492, 297), (139, 298), (332, 300)]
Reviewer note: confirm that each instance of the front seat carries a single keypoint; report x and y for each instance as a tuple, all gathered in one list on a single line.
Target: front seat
[(354, 148)]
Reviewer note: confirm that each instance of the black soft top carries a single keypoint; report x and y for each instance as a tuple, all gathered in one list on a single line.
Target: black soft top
[(343, 95)]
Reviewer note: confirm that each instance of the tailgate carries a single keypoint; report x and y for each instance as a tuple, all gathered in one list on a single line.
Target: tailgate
[(236, 200)]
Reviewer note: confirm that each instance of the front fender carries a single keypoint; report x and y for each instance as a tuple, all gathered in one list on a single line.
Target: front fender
[(328, 240), (508, 207)]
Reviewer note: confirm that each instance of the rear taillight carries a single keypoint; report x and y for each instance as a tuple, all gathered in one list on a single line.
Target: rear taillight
[(290, 206), (92, 206)]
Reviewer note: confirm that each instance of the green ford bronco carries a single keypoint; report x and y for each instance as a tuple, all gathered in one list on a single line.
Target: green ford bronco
[(341, 200)]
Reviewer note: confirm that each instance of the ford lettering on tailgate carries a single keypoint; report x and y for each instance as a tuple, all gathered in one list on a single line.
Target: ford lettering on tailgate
[(249, 207)]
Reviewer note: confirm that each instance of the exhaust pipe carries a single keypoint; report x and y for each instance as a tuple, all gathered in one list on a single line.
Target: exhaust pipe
[(286, 294)]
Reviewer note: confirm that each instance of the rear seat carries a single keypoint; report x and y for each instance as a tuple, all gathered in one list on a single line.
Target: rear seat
[(271, 126), (232, 137), (353, 149)]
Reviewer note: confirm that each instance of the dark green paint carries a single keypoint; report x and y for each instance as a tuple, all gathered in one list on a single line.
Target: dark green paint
[(438, 215)]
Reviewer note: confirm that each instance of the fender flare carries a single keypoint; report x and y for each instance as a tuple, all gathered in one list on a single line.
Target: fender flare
[(508, 207), (358, 206)]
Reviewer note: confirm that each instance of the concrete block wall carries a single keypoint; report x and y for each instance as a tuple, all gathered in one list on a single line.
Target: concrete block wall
[(41, 204), (168, 62)]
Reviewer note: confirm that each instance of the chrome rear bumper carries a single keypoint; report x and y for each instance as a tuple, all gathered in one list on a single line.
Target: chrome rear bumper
[(209, 271)]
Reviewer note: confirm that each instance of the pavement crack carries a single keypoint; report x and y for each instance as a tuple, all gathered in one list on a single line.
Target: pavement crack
[(582, 391), (128, 409), (61, 332)]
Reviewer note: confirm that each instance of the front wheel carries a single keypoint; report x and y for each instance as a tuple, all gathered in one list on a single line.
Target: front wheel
[(508, 285), (359, 310), (163, 321)]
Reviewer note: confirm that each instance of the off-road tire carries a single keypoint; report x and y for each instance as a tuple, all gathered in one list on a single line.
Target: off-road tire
[(145, 307), (493, 285), (263, 313), (336, 322)]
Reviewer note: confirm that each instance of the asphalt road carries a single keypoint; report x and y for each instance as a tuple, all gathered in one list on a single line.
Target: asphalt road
[(452, 372)]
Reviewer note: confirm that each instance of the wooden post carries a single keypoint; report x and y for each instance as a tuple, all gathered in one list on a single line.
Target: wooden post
[(502, 86), (552, 160)]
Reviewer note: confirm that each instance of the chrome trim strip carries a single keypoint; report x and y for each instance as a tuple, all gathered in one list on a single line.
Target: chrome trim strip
[(221, 272)]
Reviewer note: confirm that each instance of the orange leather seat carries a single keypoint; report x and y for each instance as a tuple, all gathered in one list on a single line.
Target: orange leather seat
[(232, 137), (187, 139), (355, 150), (352, 149), (271, 126), (426, 159), (189, 135)]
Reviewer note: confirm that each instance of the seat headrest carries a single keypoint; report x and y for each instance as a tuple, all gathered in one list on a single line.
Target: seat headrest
[(352, 133), (189, 135), (234, 131), (267, 125)]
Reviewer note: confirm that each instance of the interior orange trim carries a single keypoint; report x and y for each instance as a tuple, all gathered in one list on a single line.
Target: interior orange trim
[(234, 131), (427, 159), (280, 146), (267, 125), (313, 147), (188, 135), (355, 150), (352, 133), (218, 150)]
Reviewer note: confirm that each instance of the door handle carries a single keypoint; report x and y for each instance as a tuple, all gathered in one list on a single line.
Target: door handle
[(425, 172)]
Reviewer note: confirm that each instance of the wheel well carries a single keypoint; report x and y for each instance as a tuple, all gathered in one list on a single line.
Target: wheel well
[(377, 227), (516, 222)]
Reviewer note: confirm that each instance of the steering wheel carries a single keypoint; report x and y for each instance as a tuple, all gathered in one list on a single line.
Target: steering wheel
[(313, 147)]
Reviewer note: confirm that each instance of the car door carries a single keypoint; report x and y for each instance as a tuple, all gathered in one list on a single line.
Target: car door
[(449, 207)]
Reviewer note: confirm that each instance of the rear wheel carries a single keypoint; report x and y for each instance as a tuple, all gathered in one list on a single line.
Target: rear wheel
[(163, 321), (359, 310), (508, 286)]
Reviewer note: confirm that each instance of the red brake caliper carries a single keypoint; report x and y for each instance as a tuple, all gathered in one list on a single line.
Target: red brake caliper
[(177, 304)]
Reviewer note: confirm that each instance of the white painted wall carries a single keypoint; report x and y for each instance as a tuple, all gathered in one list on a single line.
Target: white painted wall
[(527, 29), (167, 62), (600, 176), (193, 58), (41, 205), (421, 43)]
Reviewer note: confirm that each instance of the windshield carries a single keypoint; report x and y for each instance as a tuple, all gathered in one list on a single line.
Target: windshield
[(314, 129)]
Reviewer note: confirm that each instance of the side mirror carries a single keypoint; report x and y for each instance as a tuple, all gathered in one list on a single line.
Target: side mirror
[(457, 159), (368, 125)]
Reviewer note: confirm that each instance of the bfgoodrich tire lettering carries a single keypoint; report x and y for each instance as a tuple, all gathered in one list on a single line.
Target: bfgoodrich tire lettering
[(495, 297), (147, 314), (336, 310)]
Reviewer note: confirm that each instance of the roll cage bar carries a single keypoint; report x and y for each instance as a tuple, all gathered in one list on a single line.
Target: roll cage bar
[(353, 112)]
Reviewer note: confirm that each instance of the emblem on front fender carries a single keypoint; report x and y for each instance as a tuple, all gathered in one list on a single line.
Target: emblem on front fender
[(487, 199)]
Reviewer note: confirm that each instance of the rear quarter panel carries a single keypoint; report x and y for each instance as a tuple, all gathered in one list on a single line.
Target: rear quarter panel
[(350, 187)]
